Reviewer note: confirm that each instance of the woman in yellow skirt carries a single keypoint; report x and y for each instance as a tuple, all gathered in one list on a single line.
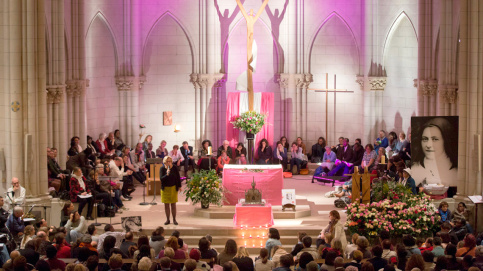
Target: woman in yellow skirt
[(170, 185)]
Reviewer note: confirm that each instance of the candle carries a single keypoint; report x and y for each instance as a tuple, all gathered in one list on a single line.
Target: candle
[(245, 243), (263, 234), (383, 159), (250, 236), (258, 236), (261, 244), (210, 151), (243, 235)]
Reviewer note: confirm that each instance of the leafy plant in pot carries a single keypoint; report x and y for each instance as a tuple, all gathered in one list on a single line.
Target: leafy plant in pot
[(205, 187)]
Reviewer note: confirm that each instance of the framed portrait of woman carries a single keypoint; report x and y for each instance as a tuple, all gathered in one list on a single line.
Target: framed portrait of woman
[(434, 150)]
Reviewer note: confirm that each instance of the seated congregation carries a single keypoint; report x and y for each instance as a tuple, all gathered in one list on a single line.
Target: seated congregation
[(77, 246)]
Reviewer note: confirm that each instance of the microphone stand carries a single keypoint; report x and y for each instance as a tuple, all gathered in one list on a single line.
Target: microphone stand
[(154, 161), (94, 194)]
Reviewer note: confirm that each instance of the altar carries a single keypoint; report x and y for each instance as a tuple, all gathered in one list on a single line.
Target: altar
[(238, 178)]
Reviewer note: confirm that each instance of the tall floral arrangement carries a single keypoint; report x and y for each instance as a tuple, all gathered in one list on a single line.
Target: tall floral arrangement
[(400, 213), (205, 188), (250, 122)]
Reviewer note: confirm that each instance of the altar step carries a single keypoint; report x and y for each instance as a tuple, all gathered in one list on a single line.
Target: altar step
[(288, 237), (227, 212)]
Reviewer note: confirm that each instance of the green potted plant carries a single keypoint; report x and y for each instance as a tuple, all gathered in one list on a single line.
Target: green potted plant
[(251, 122), (205, 187)]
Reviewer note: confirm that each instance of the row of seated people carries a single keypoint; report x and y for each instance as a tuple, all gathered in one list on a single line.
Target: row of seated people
[(51, 248)]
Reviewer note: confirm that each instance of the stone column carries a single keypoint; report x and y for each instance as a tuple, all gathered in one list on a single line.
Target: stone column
[(24, 84), (198, 120), (470, 84), (283, 81)]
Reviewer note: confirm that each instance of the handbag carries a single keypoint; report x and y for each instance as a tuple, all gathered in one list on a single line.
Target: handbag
[(64, 195)]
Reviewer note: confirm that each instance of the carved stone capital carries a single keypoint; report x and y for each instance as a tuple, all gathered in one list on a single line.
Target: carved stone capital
[(360, 81), (124, 83), (219, 80), (76, 87), (283, 80), (448, 93), (204, 81), (55, 93), (377, 83), (308, 78), (428, 87)]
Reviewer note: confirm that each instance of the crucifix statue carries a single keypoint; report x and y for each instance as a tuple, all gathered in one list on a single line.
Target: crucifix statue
[(250, 23)]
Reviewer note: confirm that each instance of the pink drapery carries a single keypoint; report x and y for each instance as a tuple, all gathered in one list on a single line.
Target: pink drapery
[(232, 111), (267, 108)]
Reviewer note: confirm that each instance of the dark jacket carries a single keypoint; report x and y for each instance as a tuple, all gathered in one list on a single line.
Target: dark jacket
[(80, 160), (170, 180), (126, 245), (3, 220), (244, 263), (15, 225), (357, 157), (344, 155), (229, 151), (54, 168), (266, 154), (460, 232), (378, 263), (185, 153), (318, 150), (412, 184)]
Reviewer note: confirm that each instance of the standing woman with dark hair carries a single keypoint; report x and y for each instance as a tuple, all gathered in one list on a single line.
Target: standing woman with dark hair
[(170, 186), (273, 239), (437, 159), (264, 153)]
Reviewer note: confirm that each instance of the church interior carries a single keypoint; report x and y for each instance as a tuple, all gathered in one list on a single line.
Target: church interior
[(171, 70)]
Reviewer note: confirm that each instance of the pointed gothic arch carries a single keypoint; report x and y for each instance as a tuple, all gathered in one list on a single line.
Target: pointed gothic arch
[(185, 31), (333, 15), (100, 16)]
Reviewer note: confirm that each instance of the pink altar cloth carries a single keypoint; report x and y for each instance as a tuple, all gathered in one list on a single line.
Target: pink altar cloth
[(253, 216), (268, 178)]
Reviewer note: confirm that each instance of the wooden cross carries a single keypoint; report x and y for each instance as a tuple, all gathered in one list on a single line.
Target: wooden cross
[(335, 90), (361, 186)]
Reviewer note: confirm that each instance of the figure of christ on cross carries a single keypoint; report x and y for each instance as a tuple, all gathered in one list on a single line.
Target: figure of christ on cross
[(250, 23)]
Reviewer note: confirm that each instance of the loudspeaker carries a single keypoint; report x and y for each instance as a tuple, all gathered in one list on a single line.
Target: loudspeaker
[(3, 167), (477, 160), (28, 151)]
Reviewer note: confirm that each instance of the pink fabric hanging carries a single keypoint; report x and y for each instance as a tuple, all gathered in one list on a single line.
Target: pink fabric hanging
[(232, 111), (267, 108)]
